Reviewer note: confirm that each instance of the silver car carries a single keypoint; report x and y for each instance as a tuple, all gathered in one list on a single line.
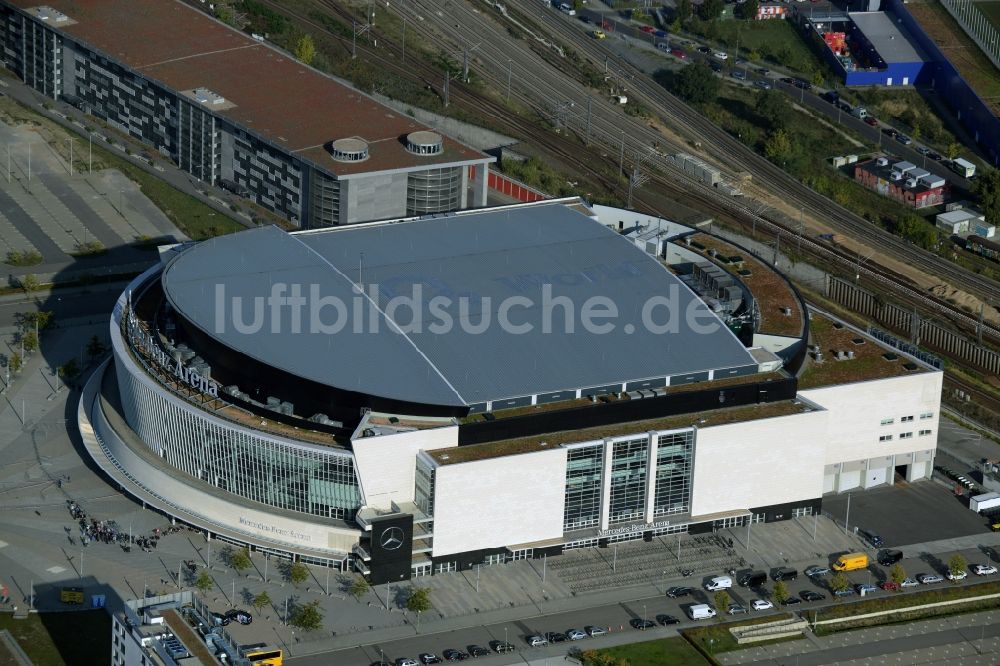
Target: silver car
[(575, 634), (929, 579)]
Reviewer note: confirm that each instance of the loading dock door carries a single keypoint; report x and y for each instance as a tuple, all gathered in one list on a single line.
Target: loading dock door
[(875, 477), (849, 480)]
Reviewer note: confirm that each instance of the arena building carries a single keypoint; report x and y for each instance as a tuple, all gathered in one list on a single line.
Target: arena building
[(238, 113), (428, 394)]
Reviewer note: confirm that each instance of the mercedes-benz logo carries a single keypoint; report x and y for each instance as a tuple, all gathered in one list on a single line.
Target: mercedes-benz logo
[(391, 539)]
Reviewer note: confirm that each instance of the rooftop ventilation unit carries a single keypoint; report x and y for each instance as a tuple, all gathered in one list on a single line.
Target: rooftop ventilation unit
[(349, 150), (46, 13), (424, 142), (882, 161), (207, 97)]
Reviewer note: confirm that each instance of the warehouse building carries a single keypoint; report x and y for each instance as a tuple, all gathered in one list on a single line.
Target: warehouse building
[(870, 49), (238, 113), (398, 446), (903, 182)]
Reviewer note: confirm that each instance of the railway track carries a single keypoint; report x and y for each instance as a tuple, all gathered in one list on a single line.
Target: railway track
[(680, 187)]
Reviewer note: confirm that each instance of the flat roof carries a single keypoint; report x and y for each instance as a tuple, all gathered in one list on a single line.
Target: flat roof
[(888, 38), (267, 92), (477, 264)]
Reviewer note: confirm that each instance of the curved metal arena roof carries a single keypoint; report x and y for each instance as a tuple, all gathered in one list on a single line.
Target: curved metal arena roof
[(482, 258)]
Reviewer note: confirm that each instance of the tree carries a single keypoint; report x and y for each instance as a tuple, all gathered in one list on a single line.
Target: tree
[(261, 600), (722, 600), (305, 49), (359, 588), (917, 231), (69, 370), (684, 10), (696, 83), (419, 600), (30, 341), (204, 581), (298, 573), (307, 617), (240, 560), (772, 106), (778, 146), (839, 582), (39, 320), (897, 574), (747, 10), (15, 362), (952, 151), (709, 10), (957, 564), (781, 592), (987, 188), (95, 347), (28, 282)]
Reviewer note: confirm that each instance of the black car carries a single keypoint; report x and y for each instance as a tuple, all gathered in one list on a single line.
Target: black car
[(937, 157), (454, 655), (478, 651), (890, 132), (889, 557), (667, 619), (753, 579), (831, 96), (500, 647), (789, 80), (428, 658), (240, 616), (675, 592), (803, 84), (791, 601), (716, 67), (704, 49), (220, 619), (785, 573), (809, 595), (923, 150), (874, 540), (639, 623), (556, 637)]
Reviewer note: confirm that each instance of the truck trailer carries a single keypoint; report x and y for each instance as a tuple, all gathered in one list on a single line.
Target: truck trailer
[(963, 168), (980, 503)]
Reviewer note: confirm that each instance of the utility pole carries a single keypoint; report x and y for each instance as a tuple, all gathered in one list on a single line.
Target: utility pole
[(777, 244), (465, 64), (446, 77), (847, 515), (590, 104), (621, 155), (510, 69)]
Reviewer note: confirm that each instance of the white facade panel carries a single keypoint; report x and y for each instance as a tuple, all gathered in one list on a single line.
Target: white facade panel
[(499, 501), (386, 464), (758, 463), (858, 410)]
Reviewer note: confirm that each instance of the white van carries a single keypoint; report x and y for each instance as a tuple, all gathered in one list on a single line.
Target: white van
[(719, 583), (701, 612), (567, 9)]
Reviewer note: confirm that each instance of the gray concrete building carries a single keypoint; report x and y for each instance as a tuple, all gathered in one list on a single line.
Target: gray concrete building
[(238, 113)]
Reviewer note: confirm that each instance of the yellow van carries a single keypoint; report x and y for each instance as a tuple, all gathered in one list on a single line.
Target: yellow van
[(851, 562)]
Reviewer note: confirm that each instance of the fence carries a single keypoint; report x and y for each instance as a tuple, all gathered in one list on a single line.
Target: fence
[(906, 609), (977, 26), (512, 188), (917, 330)]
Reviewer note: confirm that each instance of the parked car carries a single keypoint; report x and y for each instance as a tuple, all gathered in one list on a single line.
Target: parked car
[(803, 84), (576, 634), (762, 604), (874, 540), (428, 658), (937, 157), (889, 557), (957, 575), (220, 619), (831, 96), (720, 55), (595, 631), (785, 573), (716, 67), (598, 34), (736, 609), (909, 582), (648, 29), (660, 33), (870, 120), (763, 84), (663, 46), (791, 601), (678, 53), (923, 150), (704, 49), (240, 616), (809, 595), (866, 588), (890, 132), (502, 648), (890, 586), (667, 619), (537, 641), (639, 623), (478, 651), (554, 637), (739, 75), (846, 592), (406, 661), (905, 140), (929, 579), (677, 592), (454, 655), (984, 569), (817, 570)]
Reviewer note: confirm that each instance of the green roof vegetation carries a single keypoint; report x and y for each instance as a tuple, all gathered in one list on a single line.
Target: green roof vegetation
[(870, 358)]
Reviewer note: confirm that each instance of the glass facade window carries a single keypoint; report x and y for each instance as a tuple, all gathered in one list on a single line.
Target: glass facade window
[(584, 470), (628, 480), (674, 462), (423, 492), (434, 191)]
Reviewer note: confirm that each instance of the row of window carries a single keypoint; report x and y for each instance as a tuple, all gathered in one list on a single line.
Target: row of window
[(904, 435), (907, 419)]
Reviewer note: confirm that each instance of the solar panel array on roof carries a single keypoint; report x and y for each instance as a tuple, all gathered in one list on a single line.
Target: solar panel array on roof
[(531, 264)]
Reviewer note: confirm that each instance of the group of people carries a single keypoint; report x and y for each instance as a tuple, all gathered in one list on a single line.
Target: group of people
[(108, 531)]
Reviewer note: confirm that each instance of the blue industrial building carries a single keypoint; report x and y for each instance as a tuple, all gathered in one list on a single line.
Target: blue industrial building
[(871, 49)]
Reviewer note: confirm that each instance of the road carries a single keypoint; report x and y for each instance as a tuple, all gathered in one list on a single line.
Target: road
[(95, 301)]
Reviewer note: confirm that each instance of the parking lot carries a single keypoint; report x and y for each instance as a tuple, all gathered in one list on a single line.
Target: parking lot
[(906, 514)]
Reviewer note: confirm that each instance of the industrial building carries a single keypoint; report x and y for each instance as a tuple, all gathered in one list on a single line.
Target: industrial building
[(902, 181), (869, 48), (238, 113), (381, 440)]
